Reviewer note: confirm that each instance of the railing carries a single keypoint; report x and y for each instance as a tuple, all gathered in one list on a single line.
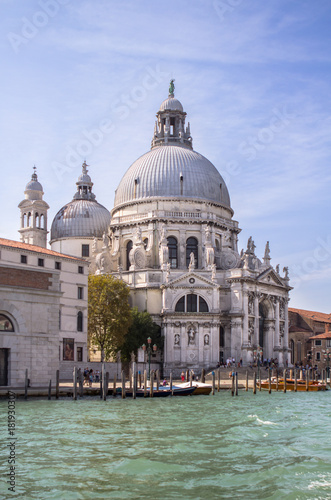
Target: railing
[(174, 215)]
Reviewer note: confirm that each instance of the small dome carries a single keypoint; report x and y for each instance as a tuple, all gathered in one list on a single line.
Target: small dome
[(83, 217), (34, 185), (85, 178), (80, 218), (171, 104)]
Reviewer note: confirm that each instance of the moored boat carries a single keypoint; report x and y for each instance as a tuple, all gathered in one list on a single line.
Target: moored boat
[(313, 385), (200, 387), (162, 392)]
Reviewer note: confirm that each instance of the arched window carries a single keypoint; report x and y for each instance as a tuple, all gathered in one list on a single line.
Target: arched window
[(128, 250), (42, 221), (192, 303), (24, 220), (29, 220), (79, 321), (5, 324), (37, 220), (173, 255), (191, 246)]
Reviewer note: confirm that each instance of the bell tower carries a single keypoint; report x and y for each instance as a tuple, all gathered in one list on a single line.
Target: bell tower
[(33, 209)]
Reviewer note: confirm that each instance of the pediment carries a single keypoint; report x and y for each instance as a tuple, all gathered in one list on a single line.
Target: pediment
[(270, 277), (190, 280)]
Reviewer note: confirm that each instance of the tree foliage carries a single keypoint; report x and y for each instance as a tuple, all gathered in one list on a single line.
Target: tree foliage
[(108, 313), (142, 327)]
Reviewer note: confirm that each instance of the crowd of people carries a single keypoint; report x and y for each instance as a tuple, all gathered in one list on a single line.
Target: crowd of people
[(90, 376)]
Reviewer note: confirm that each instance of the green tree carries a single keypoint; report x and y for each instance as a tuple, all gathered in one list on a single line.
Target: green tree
[(142, 327), (108, 313)]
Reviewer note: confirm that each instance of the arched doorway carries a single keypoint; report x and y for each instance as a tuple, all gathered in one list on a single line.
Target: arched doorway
[(5, 326)]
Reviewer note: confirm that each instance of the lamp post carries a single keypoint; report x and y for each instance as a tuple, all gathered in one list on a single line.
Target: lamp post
[(258, 356), (149, 349)]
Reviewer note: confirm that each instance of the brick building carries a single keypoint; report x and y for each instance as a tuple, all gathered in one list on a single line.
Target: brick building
[(305, 328)]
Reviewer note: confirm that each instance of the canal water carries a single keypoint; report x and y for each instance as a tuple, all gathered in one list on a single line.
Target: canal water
[(259, 446)]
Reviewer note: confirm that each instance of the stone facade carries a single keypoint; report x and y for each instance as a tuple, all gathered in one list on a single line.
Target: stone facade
[(39, 309)]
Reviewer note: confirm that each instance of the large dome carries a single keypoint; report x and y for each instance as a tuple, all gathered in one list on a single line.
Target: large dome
[(172, 169), (80, 218), (172, 172), (83, 217)]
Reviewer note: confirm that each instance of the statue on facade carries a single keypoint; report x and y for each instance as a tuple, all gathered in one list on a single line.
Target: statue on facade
[(191, 336), (176, 339), (277, 269), (206, 339), (171, 88), (191, 265), (105, 240), (213, 272), (285, 270)]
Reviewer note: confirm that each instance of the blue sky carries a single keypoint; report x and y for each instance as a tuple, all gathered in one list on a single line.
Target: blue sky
[(85, 79)]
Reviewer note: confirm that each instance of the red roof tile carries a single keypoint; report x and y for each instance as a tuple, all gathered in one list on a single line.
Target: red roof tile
[(316, 316), (34, 248), (325, 335)]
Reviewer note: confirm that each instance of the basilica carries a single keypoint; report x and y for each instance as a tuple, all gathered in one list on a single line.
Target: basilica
[(172, 238)]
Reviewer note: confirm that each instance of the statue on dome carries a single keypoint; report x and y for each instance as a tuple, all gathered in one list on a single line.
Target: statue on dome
[(171, 88)]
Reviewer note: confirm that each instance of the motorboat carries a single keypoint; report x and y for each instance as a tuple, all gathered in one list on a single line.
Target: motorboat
[(313, 385)]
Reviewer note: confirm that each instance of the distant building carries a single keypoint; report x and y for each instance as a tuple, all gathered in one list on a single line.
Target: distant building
[(305, 328), (43, 301)]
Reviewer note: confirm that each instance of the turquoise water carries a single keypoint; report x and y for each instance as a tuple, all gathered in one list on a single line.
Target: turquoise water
[(259, 446)]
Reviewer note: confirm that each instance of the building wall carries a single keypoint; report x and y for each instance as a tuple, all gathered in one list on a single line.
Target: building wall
[(42, 303)]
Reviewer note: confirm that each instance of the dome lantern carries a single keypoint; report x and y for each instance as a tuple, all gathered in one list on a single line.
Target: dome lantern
[(170, 124)]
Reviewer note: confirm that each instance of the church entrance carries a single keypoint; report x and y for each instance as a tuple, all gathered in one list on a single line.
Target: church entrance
[(4, 355)]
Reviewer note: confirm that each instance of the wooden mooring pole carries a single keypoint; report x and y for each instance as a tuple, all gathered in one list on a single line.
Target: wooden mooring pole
[(134, 387), (307, 380), (246, 386), (151, 389), (213, 383), (232, 383), (295, 380), (191, 378), (218, 379), (269, 376), (203, 375), (57, 386), (170, 381), (114, 386), (50, 389), (145, 383), (80, 382), (123, 384), (236, 383), (26, 383), (254, 383), (75, 383), (284, 376)]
